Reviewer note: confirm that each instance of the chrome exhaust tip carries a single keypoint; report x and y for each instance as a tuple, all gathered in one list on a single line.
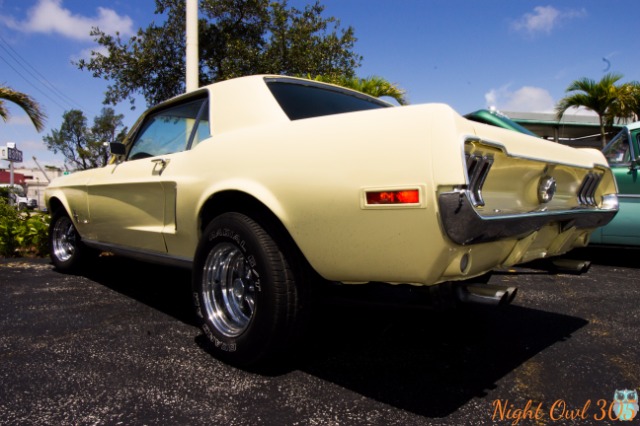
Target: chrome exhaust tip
[(486, 294), (571, 265)]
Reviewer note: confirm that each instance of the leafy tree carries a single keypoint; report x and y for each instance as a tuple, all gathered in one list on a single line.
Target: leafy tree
[(27, 103), (107, 128), (84, 147), (236, 38), (374, 86), (627, 105), (635, 99), (600, 97)]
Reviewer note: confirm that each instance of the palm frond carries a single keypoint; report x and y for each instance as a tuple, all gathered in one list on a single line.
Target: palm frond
[(27, 103)]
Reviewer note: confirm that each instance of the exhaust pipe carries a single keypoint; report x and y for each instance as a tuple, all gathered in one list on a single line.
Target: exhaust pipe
[(571, 265), (487, 294)]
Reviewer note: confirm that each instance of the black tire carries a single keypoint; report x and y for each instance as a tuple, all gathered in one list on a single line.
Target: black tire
[(67, 252), (245, 293)]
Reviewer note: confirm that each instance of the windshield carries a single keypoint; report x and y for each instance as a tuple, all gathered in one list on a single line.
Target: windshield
[(617, 151)]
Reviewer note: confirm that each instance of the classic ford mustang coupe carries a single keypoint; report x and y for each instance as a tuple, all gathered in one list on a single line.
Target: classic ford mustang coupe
[(261, 185)]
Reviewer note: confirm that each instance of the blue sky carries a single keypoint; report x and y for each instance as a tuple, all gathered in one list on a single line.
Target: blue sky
[(516, 55)]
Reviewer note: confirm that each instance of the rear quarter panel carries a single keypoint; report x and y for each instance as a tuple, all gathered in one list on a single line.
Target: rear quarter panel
[(313, 173)]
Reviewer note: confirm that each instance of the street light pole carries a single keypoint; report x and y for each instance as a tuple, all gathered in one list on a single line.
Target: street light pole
[(192, 58)]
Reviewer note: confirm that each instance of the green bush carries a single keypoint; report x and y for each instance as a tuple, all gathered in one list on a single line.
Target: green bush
[(22, 233)]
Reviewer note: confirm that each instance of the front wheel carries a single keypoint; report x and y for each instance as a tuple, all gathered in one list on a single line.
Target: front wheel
[(244, 291), (67, 250)]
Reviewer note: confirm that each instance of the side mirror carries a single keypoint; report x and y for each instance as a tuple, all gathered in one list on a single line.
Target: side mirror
[(635, 165), (117, 148)]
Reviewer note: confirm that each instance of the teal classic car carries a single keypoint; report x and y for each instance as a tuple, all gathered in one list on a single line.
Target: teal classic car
[(496, 118), (623, 155)]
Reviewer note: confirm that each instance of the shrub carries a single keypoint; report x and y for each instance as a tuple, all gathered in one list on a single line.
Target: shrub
[(22, 234)]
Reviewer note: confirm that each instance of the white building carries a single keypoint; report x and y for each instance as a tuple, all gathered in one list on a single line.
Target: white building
[(36, 181)]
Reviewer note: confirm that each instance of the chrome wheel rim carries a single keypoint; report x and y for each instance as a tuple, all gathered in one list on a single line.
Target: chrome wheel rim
[(229, 290), (64, 239)]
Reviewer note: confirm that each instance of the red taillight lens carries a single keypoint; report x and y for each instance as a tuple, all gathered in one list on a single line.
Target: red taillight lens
[(405, 196)]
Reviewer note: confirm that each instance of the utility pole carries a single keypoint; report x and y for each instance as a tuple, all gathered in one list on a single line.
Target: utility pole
[(192, 58), (41, 169)]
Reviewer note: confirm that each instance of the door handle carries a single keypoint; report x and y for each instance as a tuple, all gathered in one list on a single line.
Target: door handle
[(162, 161)]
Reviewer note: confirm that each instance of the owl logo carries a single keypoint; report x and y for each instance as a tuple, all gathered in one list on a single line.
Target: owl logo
[(625, 404)]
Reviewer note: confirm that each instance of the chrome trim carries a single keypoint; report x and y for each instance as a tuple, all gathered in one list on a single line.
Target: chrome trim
[(138, 254), (478, 167), (463, 225), (547, 188), (503, 148), (611, 201), (587, 190), (628, 196)]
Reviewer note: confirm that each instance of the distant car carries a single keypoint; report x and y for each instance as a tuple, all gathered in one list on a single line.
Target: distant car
[(496, 118), (261, 185), (18, 198), (623, 155)]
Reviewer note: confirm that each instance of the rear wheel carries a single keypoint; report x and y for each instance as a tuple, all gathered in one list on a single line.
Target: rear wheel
[(244, 291)]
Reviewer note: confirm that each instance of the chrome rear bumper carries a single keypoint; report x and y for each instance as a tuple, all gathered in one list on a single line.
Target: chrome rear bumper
[(463, 225)]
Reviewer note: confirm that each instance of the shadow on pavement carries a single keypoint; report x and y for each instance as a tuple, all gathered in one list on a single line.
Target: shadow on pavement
[(163, 288), (427, 362), (430, 363), (628, 257)]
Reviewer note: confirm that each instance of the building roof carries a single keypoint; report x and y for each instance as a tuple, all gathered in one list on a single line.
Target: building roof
[(574, 130)]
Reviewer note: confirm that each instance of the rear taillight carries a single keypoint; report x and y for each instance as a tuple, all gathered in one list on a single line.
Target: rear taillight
[(587, 190), (477, 169), (402, 196)]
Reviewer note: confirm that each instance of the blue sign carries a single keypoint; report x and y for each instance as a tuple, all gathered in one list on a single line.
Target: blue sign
[(14, 154)]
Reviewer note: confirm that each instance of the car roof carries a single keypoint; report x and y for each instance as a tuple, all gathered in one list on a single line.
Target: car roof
[(244, 102), (633, 126)]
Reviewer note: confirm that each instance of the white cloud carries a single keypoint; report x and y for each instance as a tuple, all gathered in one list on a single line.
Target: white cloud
[(50, 17), (544, 19), (88, 52), (19, 120), (524, 99)]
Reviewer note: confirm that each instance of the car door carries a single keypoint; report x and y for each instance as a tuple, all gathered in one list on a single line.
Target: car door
[(622, 154), (130, 203)]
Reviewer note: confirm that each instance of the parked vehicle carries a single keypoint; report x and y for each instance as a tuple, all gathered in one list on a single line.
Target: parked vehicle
[(261, 185), (496, 118), (623, 155), (18, 197)]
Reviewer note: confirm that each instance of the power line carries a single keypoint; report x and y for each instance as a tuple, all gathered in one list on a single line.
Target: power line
[(33, 85), (37, 76)]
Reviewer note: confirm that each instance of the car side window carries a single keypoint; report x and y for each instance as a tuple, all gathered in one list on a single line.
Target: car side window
[(171, 130), (202, 130), (617, 152)]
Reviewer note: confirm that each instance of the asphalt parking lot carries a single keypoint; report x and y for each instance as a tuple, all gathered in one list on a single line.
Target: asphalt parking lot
[(118, 345)]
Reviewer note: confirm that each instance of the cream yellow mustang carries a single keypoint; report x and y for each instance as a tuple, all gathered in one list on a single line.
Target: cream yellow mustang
[(262, 184)]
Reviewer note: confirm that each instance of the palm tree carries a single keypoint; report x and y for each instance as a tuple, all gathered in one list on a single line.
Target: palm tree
[(26, 102), (628, 103), (374, 86), (600, 97)]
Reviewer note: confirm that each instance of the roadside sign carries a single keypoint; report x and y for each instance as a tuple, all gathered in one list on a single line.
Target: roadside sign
[(10, 153), (14, 154)]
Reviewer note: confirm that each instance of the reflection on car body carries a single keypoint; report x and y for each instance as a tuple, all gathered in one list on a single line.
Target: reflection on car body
[(263, 185)]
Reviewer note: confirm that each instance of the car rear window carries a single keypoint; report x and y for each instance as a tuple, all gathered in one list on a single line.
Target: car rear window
[(300, 100)]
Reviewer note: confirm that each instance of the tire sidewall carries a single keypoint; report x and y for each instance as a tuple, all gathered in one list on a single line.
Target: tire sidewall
[(256, 340)]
